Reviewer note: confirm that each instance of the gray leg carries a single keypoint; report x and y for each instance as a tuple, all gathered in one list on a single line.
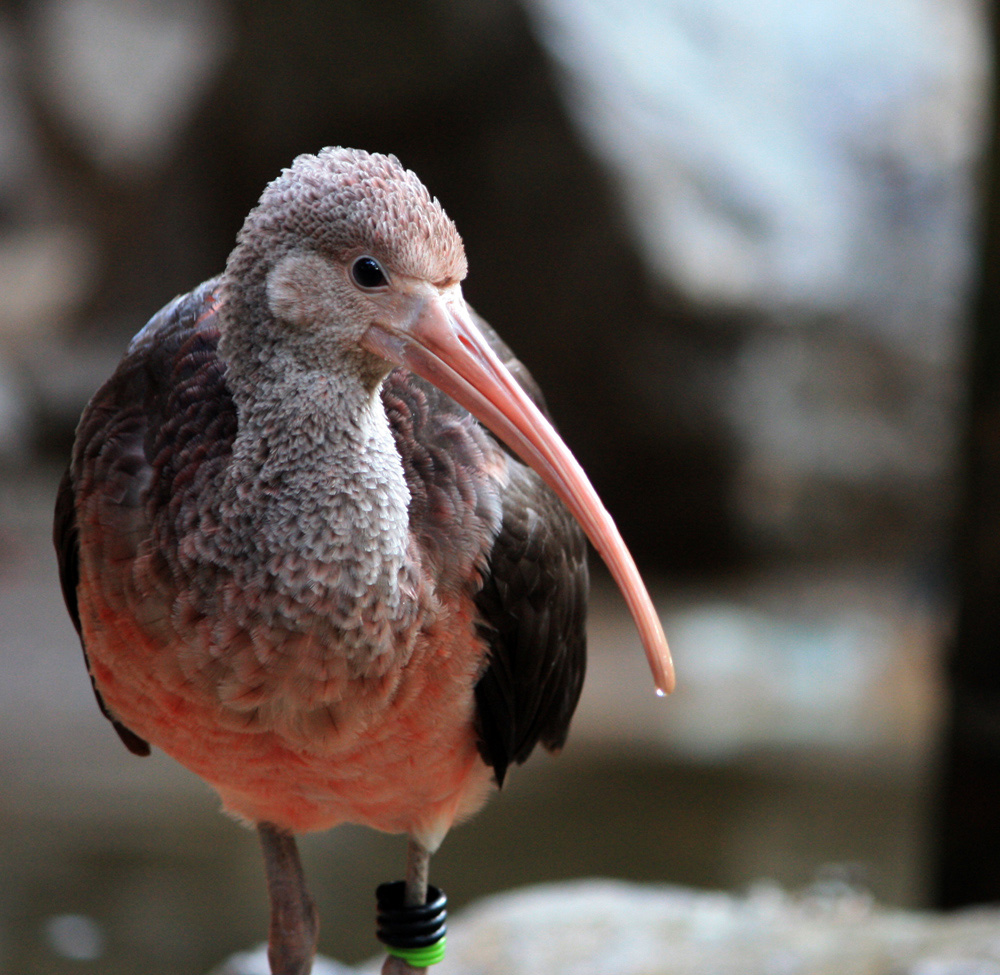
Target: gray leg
[(294, 925), (418, 862), (418, 865)]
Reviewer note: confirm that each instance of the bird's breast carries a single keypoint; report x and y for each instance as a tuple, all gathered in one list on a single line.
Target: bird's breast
[(285, 604), (277, 724)]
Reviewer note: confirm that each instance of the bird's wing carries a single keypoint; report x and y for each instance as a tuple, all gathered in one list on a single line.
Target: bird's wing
[(533, 607), (110, 468), (531, 586), (67, 542)]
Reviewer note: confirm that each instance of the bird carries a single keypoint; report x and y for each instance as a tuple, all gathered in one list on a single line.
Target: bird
[(321, 542)]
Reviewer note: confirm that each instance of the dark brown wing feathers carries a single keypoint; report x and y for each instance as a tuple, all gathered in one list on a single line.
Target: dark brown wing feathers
[(533, 609), (533, 600), (140, 400)]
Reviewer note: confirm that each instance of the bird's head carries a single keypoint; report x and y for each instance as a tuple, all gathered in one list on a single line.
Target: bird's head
[(339, 242), (349, 264)]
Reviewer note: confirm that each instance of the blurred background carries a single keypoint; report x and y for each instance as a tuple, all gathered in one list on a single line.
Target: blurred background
[(737, 245)]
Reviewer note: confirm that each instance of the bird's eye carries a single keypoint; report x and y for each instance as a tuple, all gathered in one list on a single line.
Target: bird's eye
[(368, 273)]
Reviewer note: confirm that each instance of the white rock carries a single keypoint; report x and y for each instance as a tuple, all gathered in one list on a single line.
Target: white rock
[(814, 162), (255, 963), (780, 152), (602, 927)]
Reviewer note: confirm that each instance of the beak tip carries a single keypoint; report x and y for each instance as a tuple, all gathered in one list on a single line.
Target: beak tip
[(662, 666), (666, 684)]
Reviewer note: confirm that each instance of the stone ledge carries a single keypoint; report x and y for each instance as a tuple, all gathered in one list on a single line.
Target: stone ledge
[(600, 927)]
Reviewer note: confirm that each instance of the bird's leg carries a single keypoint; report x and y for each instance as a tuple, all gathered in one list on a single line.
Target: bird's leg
[(418, 865), (294, 928), (418, 860)]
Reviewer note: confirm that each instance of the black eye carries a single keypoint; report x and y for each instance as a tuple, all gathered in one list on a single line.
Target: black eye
[(368, 273)]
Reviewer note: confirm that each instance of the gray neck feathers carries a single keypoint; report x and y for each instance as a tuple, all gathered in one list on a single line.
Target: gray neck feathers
[(317, 502)]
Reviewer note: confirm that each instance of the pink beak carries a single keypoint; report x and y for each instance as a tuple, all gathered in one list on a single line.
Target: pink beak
[(442, 345)]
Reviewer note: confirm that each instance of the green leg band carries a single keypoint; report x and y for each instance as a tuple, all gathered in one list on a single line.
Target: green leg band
[(420, 957)]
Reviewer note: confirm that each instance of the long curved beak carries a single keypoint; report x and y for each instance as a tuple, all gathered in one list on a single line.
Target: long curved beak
[(441, 344)]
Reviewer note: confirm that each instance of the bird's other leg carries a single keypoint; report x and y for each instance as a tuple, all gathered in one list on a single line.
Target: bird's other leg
[(418, 861), (294, 930)]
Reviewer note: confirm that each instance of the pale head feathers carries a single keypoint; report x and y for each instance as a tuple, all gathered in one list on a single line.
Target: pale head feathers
[(345, 201), (288, 266)]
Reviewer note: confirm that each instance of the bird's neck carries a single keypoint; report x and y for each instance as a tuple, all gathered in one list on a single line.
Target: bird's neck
[(316, 477)]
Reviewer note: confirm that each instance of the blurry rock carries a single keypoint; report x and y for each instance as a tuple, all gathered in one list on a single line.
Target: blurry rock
[(848, 442), (76, 937), (811, 164), (610, 928), (782, 153), (603, 927), (45, 272), (125, 75), (811, 670), (845, 667), (255, 963)]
